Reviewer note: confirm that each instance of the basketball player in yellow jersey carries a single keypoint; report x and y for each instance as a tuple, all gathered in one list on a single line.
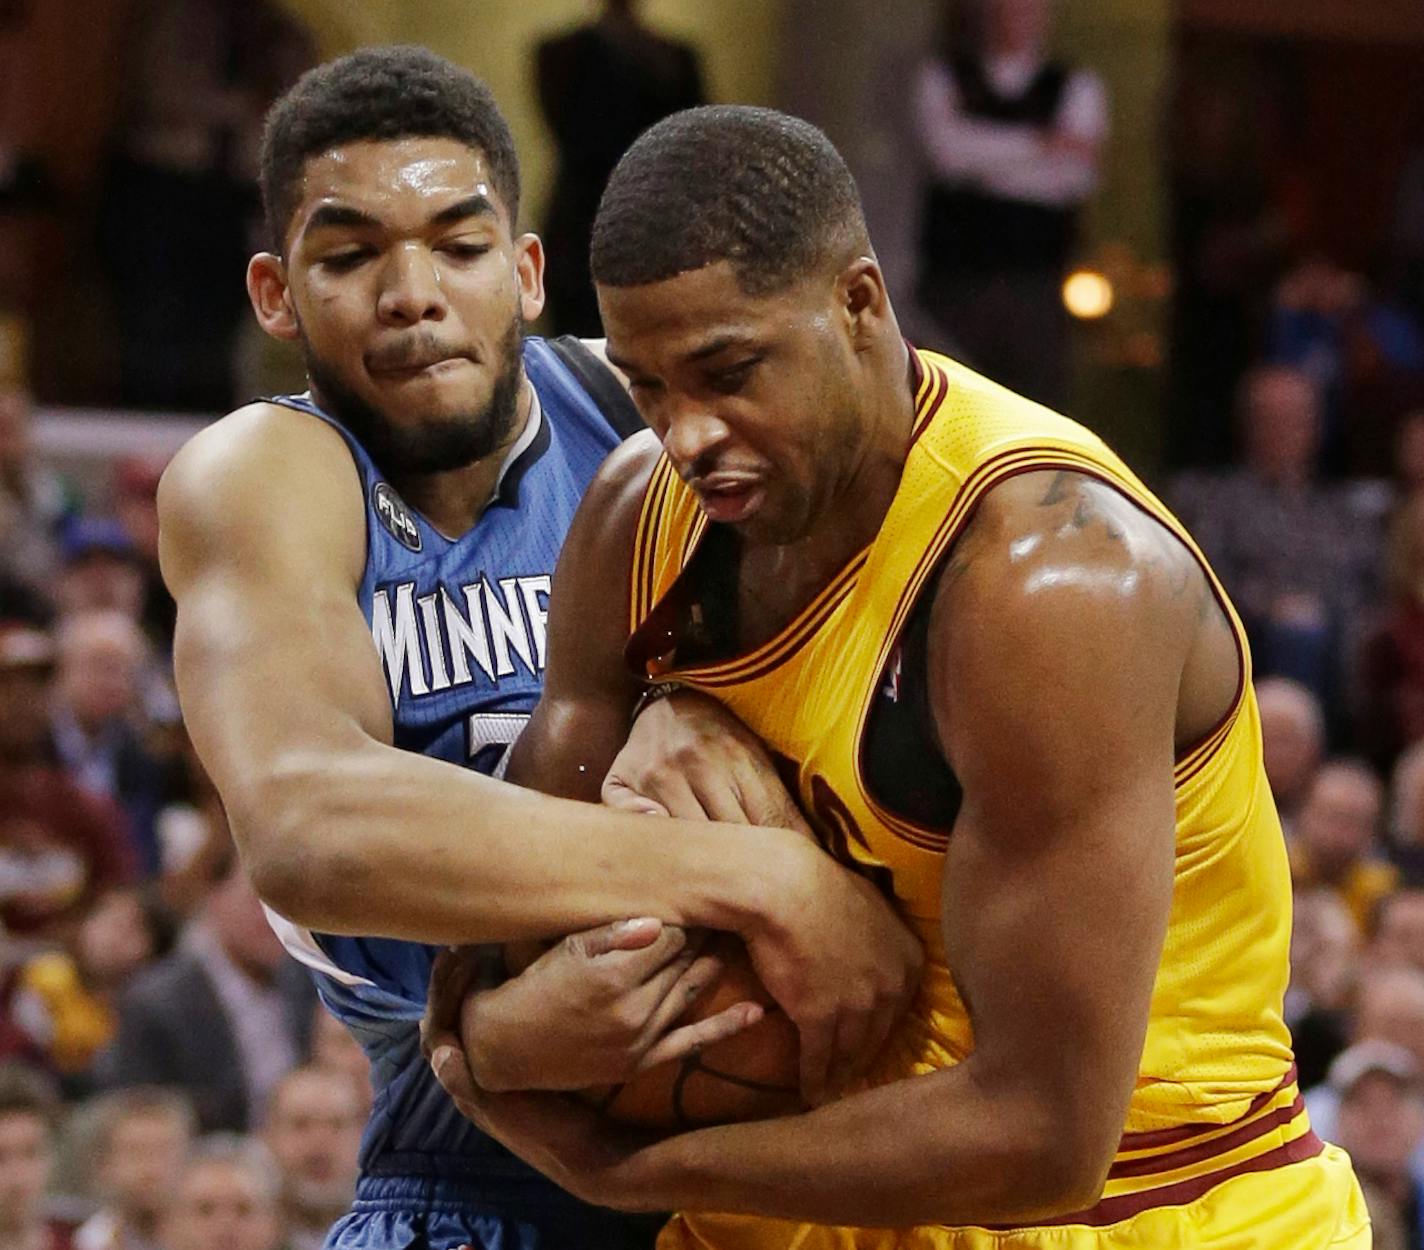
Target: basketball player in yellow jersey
[(1009, 689)]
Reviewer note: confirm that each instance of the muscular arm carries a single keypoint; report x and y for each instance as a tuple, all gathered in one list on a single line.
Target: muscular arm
[(582, 717), (263, 532), (1061, 632)]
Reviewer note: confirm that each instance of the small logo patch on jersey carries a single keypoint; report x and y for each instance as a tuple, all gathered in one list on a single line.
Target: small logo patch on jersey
[(891, 689), (395, 516)]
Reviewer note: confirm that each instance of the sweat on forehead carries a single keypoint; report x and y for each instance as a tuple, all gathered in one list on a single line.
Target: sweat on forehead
[(380, 94)]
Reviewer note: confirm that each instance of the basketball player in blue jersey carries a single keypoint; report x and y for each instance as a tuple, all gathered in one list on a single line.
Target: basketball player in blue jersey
[(416, 497)]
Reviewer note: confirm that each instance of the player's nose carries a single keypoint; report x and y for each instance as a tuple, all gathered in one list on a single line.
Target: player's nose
[(692, 432), (410, 288)]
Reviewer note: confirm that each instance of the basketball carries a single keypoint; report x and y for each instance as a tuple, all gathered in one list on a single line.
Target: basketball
[(752, 1076)]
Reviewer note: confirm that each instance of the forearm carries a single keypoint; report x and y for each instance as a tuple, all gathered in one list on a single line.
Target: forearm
[(937, 1149), (384, 842)]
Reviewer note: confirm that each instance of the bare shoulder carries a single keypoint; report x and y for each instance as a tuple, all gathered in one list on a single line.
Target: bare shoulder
[(261, 477), (1061, 582), (1079, 546), (615, 495)]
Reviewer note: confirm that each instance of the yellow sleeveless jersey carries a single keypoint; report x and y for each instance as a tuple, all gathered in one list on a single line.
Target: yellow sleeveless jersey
[(1216, 1095)]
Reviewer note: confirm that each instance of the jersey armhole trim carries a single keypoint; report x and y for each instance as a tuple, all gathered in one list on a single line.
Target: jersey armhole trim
[(602, 385)]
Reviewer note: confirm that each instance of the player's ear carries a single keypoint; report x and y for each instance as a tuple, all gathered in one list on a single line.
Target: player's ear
[(529, 269), (862, 297), (271, 296)]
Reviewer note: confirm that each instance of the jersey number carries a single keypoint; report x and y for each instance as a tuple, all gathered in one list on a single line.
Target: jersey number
[(488, 737)]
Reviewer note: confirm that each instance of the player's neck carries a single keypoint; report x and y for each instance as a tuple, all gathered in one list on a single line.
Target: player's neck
[(864, 496), (779, 580), (454, 501)]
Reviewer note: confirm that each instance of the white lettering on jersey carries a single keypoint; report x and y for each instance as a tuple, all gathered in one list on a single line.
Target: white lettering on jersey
[(433, 647), (467, 635), (398, 640), (531, 588), (507, 627), (434, 644)]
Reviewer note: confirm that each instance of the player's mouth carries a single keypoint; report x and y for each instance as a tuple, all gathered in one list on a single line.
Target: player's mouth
[(432, 368), (729, 499)]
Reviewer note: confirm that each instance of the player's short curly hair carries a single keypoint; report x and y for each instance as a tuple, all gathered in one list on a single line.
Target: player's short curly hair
[(396, 92), (766, 191)]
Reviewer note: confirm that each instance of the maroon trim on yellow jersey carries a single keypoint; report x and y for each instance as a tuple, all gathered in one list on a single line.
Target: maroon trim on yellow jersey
[(1155, 1139), (993, 472), (787, 643), (1166, 1153), (933, 384), (1115, 1210), (990, 473), (644, 573), (934, 387)]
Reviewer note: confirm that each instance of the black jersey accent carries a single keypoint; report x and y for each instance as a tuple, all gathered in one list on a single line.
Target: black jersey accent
[(901, 760), (601, 383)]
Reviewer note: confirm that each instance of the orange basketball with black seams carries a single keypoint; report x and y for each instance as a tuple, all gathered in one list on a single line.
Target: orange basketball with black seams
[(753, 1075)]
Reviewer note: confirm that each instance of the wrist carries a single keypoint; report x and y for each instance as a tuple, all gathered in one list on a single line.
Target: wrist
[(767, 880), (481, 1027)]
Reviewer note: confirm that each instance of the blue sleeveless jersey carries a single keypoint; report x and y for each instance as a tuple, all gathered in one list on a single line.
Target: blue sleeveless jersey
[(460, 630)]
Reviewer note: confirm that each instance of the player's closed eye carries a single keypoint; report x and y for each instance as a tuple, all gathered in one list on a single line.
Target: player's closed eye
[(731, 380), (344, 262), (465, 251)]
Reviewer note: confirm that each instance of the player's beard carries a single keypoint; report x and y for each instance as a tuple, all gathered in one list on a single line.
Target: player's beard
[(435, 444)]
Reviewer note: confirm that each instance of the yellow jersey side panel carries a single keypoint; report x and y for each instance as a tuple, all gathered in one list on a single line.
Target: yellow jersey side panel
[(1312, 1205)]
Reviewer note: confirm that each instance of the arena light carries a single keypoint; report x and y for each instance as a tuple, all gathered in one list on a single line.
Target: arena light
[(1088, 295)]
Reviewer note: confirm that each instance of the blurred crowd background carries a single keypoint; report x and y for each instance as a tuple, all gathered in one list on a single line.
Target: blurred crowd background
[(1197, 227)]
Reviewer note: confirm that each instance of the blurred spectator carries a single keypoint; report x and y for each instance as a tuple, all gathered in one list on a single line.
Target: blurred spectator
[(1389, 1007), (60, 847), (224, 1017), (1409, 454), (28, 1106), (1399, 930), (99, 732), (1380, 1123), (138, 1141), (1406, 815), (1012, 141), (1239, 200), (181, 193), (1365, 355), (33, 500), (59, 1007), (1286, 547), (102, 569), (1292, 738), (600, 86), (1324, 953), (334, 1049), (313, 1129), (136, 509), (1335, 844), (1391, 684), (224, 1198), (194, 842)]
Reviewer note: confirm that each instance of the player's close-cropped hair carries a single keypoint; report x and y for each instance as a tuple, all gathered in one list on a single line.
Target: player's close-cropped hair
[(397, 92), (763, 190)]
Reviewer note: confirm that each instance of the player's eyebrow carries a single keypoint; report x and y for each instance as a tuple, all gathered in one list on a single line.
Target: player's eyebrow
[(471, 206), (328, 215), (343, 215), (709, 349), (720, 344)]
